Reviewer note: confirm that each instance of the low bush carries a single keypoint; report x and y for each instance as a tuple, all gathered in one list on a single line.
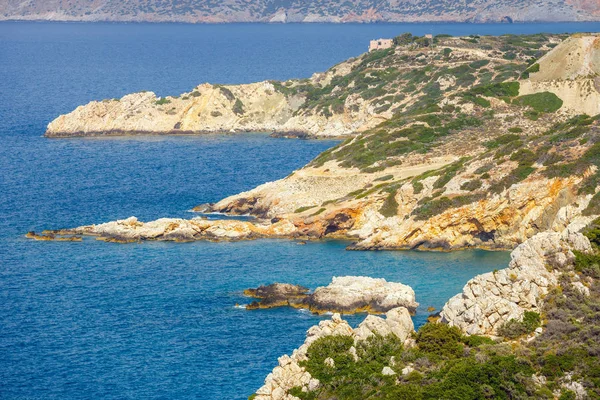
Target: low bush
[(440, 340), (544, 102), (162, 101), (513, 329), (238, 107), (471, 185), (390, 206)]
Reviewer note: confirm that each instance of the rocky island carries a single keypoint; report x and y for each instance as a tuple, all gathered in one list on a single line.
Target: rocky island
[(451, 143), (345, 294)]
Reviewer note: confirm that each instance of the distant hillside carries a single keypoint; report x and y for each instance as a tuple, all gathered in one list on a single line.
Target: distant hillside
[(301, 10)]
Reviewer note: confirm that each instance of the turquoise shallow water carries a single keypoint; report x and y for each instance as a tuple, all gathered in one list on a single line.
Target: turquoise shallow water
[(157, 320)]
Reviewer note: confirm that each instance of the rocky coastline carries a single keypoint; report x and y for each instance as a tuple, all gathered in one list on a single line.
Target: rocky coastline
[(301, 12), (487, 303)]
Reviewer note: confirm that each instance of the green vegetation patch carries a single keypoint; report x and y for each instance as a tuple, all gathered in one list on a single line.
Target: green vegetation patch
[(162, 101), (431, 207), (513, 328), (544, 102), (238, 107), (390, 206)]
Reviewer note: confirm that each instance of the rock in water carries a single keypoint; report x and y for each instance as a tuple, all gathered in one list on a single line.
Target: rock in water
[(345, 294), (276, 295), (351, 294)]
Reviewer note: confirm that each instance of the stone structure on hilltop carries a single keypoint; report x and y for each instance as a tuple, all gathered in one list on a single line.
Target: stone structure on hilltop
[(381, 44)]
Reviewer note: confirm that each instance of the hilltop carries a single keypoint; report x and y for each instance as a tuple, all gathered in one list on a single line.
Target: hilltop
[(301, 11)]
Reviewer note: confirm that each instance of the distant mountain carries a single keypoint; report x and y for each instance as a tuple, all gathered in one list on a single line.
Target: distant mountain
[(301, 10)]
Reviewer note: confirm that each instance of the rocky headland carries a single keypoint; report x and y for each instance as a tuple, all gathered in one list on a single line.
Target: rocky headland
[(345, 294), (404, 178), (290, 374)]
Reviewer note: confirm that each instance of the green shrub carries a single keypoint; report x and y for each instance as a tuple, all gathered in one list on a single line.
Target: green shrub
[(440, 340), (390, 206), (500, 141), (555, 365), (227, 93), (524, 157), (162, 101), (587, 264), (335, 347), (238, 107), (417, 186), (544, 102), (384, 178), (318, 212), (513, 329), (593, 207), (504, 89), (517, 175), (476, 340), (515, 129), (302, 209), (471, 185), (567, 395), (430, 207)]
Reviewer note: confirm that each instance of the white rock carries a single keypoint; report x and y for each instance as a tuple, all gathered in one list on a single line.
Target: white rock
[(351, 293), (407, 370), (387, 371)]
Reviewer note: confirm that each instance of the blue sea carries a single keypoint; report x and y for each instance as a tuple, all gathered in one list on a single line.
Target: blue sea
[(157, 320)]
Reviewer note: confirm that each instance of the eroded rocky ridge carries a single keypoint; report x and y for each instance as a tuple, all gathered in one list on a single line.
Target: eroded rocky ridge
[(490, 300), (301, 11), (289, 373)]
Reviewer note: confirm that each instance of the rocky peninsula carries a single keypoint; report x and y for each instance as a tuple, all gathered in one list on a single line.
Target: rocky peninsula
[(403, 179)]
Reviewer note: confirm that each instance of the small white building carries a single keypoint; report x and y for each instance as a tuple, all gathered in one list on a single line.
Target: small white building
[(381, 44)]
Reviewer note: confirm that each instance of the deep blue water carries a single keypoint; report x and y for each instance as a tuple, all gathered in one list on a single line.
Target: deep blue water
[(156, 320)]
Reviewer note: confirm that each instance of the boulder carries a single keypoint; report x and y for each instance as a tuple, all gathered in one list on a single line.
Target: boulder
[(351, 294), (397, 322)]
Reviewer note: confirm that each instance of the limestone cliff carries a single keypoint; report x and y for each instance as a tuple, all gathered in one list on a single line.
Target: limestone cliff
[(258, 107), (490, 300)]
